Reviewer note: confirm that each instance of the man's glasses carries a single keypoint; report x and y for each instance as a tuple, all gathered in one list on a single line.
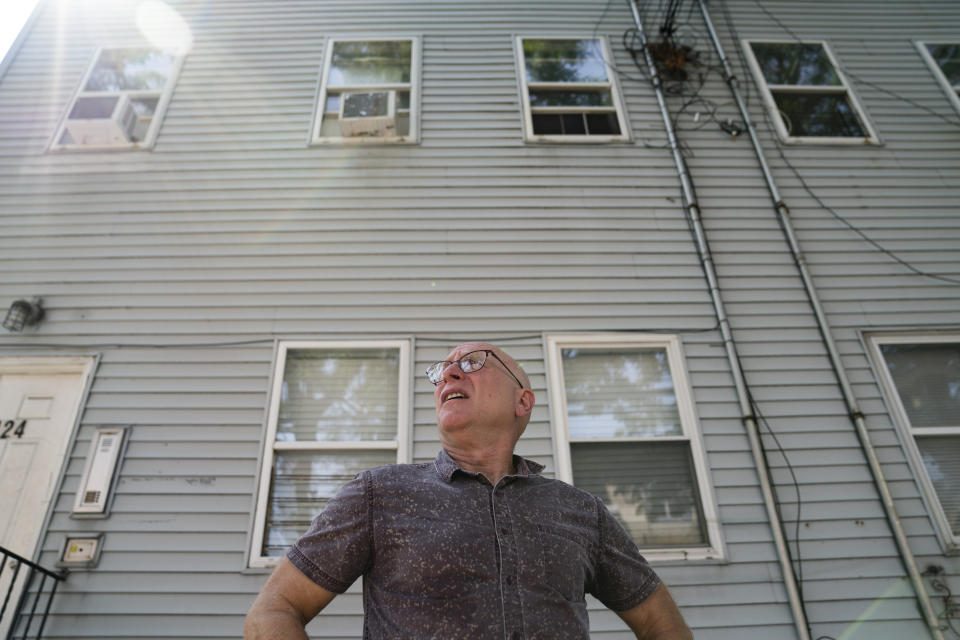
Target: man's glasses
[(469, 363)]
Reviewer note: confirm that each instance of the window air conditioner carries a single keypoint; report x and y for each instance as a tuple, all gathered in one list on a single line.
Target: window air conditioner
[(102, 120), (368, 114)]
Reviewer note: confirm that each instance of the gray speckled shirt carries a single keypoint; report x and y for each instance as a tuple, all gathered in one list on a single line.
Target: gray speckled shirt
[(444, 554)]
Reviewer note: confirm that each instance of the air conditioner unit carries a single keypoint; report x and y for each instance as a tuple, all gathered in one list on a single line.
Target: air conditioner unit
[(102, 120), (368, 114)]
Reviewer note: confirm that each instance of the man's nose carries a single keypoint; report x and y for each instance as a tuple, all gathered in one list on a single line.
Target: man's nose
[(453, 370)]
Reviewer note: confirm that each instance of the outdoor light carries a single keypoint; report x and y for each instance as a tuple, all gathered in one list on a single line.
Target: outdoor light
[(23, 313)]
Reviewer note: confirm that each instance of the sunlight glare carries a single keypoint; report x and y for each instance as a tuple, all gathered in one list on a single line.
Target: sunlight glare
[(164, 27)]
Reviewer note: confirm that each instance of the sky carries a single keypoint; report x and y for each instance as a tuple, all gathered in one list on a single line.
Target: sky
[(13, 13)]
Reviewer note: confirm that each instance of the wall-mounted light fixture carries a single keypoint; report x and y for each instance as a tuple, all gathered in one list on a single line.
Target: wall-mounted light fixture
[(23, 313)]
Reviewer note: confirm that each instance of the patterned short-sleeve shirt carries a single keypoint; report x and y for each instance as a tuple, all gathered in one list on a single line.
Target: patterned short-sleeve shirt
[(445, 554)]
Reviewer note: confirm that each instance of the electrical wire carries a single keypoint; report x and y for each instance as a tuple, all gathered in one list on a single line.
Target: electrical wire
[(823, 205)]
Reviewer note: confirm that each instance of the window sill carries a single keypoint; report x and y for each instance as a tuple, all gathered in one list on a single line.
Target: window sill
[(323, 142), (577, 140), (71, 148), (830, 141)]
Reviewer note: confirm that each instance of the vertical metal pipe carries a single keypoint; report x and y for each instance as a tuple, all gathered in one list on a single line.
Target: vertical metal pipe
[(703, 249), (853, 409)]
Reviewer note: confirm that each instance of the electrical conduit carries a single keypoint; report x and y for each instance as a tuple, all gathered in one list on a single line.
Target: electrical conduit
[(749, 421), (853, 409)]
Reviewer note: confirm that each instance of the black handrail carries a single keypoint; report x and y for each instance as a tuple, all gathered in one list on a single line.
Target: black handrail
[(18, 617)]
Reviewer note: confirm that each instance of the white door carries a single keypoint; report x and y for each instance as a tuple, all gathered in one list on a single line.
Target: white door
[(39, 401)]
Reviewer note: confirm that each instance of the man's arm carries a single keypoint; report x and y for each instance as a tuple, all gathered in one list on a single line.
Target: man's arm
[(287, 602), (657, 618)]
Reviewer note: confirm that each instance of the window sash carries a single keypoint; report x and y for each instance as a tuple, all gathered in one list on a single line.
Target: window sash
[(952, 91), (843, 88), (397, 449), (411, 114), (712, 546), (152, 121), (947, 527), (528, 109)]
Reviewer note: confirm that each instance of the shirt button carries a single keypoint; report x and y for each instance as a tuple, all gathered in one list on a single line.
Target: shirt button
[(510, 580), (504, 531), (516, 635)]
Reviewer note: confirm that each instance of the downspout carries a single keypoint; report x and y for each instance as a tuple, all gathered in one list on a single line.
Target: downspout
[(749, 421), (853, 409)]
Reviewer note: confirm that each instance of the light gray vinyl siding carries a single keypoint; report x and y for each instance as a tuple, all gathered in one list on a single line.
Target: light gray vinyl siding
[(902, 194), (234, 229)]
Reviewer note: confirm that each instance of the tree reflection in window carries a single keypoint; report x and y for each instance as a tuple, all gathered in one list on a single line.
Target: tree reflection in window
[(810, 96)]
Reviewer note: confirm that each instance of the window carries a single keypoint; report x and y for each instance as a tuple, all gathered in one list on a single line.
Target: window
[(121, 100), (944, 61), (369, 92), (921, 380), (806, 94), (568, 91), (336, 409), (626, 432)]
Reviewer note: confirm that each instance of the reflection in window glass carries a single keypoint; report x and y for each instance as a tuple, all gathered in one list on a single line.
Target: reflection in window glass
[(793, 63), (947, 57), (569, 89), (649, 487), (619, 393), (302, 483), (564, 61), (367, 67), (941, 459), (817, 115), (130, 70), (339, 395), (927, 377), (805, 93), (370, 62)]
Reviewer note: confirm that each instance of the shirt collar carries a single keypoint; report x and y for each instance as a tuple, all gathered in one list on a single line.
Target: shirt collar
[(447, 466)]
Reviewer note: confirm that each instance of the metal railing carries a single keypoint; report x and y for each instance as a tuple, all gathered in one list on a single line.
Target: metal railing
[(18, 617)]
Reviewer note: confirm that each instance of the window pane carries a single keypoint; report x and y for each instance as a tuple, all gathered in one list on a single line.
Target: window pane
[(941, 457), (570, 99), (826, 115), (927, 377), (130, 69), (620, 392), (792, 63), (947, 57), (564, 61), (370, 62), (93, 107), (602, 124), (332, 394), (301, 484), (547, 124), (573, 124), (649, 487), (144, 106)]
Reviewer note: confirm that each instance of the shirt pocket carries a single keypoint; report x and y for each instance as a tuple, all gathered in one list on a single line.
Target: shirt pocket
[(566, 559)]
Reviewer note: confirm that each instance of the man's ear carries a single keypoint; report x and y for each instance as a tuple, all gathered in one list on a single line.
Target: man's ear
[(525, 403)]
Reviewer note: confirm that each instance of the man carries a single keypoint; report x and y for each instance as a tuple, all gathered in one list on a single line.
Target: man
[(474, 544)]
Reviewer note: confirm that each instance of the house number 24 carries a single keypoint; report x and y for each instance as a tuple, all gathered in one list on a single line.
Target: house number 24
[(13, 428)]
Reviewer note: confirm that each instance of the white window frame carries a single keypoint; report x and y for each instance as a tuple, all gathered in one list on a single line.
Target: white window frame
[(401, 445), (612, 85), (845, 90), (715, 549), (953, 92), (413, 136), (949, 541), (155, 120)]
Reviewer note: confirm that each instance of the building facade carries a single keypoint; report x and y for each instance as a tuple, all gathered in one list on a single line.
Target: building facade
[(252, 225)]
